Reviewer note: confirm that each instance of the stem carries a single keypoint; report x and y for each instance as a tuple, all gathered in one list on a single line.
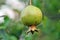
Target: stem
[(30, 2)]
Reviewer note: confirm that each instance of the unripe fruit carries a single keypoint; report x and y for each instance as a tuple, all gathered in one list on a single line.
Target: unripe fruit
[(31, 16)]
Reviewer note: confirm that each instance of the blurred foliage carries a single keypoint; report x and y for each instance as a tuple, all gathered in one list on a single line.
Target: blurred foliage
[(49, 28), (15, 28), (6, 21), (5, 36), (2, 2)]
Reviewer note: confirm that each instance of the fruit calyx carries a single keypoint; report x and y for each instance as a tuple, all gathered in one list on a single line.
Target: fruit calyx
[(32, 29)]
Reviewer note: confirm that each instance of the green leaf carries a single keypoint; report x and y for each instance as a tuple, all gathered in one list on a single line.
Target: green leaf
[(13, 38)]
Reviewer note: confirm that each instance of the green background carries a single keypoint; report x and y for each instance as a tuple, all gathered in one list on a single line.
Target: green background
[(49, 28)]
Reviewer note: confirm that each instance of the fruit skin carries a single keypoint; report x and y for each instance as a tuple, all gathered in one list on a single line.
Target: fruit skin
[(31, 15)]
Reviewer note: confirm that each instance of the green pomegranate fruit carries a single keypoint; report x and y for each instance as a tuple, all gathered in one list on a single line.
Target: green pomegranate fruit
[(31, 16)]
